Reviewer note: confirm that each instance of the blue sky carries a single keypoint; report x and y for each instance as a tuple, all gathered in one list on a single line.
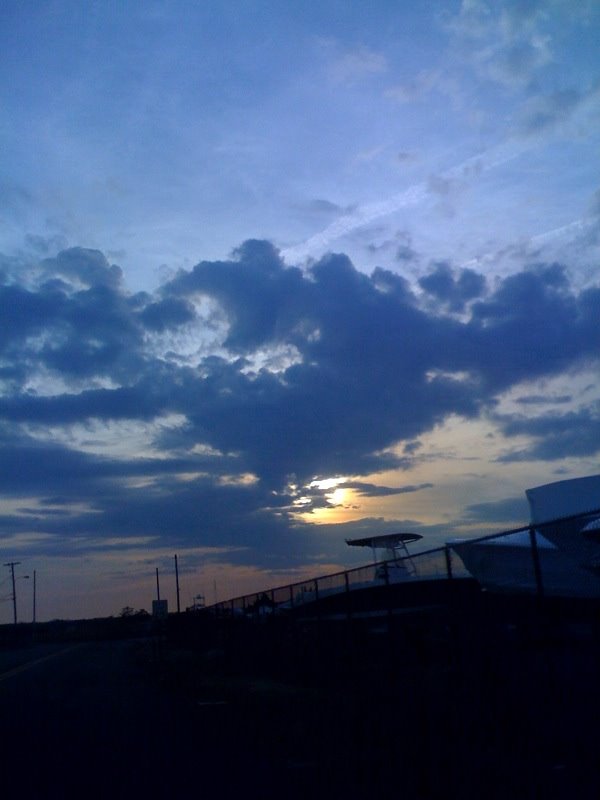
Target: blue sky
[(273, 274)]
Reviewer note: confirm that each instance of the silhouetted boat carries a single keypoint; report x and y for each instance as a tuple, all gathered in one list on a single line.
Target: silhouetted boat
[(565, 519)]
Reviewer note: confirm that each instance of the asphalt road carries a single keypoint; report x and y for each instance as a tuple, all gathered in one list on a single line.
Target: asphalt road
[(92, 720), (110, 720), (127, 720)]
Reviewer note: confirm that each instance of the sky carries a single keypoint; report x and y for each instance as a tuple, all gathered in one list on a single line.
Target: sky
[(275, 274)]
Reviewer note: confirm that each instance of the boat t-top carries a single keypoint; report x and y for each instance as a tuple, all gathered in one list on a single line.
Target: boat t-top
[(397, 563)]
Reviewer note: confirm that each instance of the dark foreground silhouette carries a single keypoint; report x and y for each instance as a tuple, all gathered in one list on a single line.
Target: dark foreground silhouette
[(465, 705)]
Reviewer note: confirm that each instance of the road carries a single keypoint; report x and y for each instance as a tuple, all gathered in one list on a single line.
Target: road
[(124, 719), (94, 720), (78, 719), (113, 720)]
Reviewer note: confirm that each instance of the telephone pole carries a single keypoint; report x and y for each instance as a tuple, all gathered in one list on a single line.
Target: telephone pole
[(12, 565), (177, 585), (34, 576)]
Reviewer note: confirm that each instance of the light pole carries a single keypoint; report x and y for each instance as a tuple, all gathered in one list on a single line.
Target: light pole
[(177, 585), (12, 565)]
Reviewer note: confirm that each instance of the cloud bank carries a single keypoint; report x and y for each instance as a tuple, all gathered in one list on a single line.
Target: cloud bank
[(293, 376)]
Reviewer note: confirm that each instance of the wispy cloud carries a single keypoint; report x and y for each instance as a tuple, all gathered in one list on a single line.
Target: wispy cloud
[(412, 196), (356, 65)]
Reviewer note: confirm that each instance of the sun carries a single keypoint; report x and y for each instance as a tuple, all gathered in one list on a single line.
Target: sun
[(327, 483)]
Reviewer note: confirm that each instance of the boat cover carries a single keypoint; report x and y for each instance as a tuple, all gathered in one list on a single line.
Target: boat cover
[(564, 498)]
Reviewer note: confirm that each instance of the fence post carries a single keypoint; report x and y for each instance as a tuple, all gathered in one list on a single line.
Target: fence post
[(448, 555), (317, 638), (347, 582), (535, 555), (388, 600)]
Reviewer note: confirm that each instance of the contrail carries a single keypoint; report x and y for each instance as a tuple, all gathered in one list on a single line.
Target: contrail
[(412, 196), (556, 233), (539, 239)]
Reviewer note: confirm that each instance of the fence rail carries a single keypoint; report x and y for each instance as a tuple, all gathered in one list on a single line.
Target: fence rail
[(439, 563), (435, 564)]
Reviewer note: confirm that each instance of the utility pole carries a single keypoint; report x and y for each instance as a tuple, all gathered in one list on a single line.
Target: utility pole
[(34, 575), (157, 586), (12, 565), (177, 585)]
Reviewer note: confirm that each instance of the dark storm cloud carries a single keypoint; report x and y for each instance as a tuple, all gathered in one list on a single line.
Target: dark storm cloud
[(576, 433), (512, 510), (361, 384), (202, 510), (451, 291), (370, 366), (143, 401), (543, 400), (84, 333), (261, 298), (88, 267), (533, 325), (168, 313), (372, 490), (78, 321), (375, 368), (35, 468), (24, 313)]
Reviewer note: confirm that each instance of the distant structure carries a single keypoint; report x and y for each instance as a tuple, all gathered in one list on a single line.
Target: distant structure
[(160, 609), (198, 603)]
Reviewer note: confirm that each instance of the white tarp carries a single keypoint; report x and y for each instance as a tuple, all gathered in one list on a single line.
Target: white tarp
[(564, 498), (569, 565)]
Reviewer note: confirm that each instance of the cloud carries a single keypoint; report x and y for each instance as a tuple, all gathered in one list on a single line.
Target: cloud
[(414, 195), (370, 366), (555, 436), (44, 244), (371, 362), (450, 291), (357, 65), (507, 43), (545, 111), (88, 267), (542, 399), (168, 313), (326, 208), (401, 243), (372, 490), (75, 318), (424, 82), (16, 200), (510, 510)]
